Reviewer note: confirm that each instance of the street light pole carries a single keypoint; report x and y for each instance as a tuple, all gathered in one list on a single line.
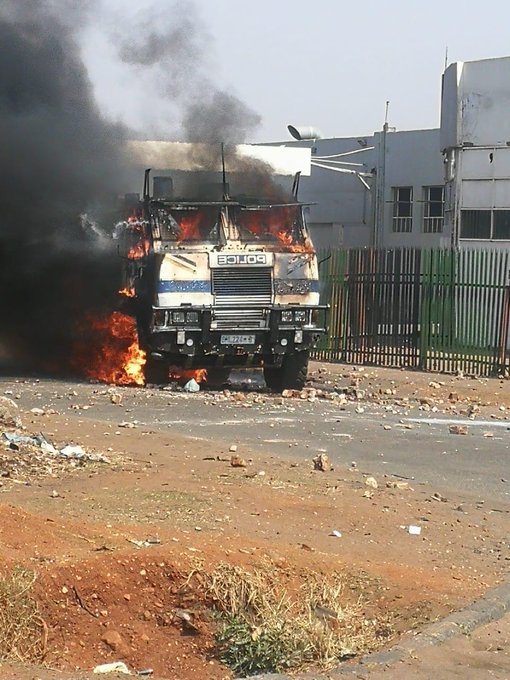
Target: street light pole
[(380, 185), (380, 191)]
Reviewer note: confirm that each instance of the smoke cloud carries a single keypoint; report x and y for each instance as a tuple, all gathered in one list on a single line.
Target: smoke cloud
[(59, 159), (62, 159), (172, 55)]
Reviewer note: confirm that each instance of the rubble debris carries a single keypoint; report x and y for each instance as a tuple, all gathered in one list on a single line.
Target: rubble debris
[(192, 386), (115, 667), (233, 448), (146, 543), (28, 457), (458, 429), (414, 530), (371, 482), (39, 441), (401, 486), (37, 411), (237, 461), (116, 398), (321, 462), (336, 533), (9, 413)]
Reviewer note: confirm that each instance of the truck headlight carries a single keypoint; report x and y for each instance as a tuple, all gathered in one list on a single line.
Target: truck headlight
[(159, 318), (178, 317), (300, 315), (287, 316), (192, 318)]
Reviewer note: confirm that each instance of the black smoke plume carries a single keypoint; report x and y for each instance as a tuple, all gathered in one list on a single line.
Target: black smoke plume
[(172, 53), (58, 159)]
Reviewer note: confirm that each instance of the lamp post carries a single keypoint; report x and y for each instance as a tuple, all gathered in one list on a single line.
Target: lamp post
[(380, 188)]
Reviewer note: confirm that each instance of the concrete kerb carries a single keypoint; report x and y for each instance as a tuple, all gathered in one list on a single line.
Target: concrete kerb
[(491, 607)]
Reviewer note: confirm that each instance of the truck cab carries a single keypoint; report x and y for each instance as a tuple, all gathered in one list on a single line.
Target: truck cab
[(223, 284)]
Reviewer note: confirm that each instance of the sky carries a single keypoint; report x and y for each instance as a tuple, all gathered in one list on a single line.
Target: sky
[(331, 64)]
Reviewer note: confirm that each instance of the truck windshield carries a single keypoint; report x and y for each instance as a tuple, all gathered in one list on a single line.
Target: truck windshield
[(185, 224), (280, 224)]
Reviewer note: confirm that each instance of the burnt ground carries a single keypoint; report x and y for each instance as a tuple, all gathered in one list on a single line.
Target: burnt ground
[(112, 542)]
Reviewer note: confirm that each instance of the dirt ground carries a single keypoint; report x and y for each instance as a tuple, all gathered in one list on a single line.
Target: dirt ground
[(112, 542)]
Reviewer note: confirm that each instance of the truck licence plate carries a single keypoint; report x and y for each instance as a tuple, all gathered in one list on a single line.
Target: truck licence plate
[(237, 340)]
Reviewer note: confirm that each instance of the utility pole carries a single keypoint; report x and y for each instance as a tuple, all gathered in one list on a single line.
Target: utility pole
[(380, 185)]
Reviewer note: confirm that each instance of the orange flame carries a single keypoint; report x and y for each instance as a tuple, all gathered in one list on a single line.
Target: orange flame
[(195, 226), (139, 250), (183, 375), (277, 224), (127, 292), (109, 351)]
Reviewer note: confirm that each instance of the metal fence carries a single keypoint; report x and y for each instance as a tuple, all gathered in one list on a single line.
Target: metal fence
[(441, 310)]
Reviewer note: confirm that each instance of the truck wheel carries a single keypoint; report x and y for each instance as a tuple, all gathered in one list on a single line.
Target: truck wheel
[(155, 372), (291, 375), (272, 376)]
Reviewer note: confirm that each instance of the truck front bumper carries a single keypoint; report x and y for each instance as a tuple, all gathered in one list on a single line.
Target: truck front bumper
[(191, 332)]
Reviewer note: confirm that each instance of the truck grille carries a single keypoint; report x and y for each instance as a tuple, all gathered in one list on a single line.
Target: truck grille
[(246, 292)]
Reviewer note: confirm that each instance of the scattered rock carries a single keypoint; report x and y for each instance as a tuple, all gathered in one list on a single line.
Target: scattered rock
[(8, 413), (237, 461), (37, 411), (458, 429), (402, 486), (115, 642), (321, 462), (371, 482), (233, 448)]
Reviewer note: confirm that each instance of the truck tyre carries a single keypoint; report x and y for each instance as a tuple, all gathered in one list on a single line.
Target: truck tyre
[(272, 376), (291, 375), (155, 372)]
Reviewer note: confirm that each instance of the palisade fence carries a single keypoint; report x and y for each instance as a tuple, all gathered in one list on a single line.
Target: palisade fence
[(440, 310)]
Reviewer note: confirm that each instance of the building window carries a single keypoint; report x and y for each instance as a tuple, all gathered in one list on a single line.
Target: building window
[(488, 225), (402, 209), (501, 225), (433, 212)]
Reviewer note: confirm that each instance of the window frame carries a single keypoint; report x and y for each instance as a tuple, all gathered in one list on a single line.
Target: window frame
[(492, 213), (432, 224), (402, 223)]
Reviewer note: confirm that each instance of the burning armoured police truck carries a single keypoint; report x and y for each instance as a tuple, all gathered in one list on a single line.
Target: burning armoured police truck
[(223, 284)]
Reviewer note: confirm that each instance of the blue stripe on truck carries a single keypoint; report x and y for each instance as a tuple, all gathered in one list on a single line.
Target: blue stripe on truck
[(184, 287)]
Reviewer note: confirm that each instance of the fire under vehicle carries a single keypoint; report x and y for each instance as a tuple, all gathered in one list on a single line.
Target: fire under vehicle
[(223, 284)]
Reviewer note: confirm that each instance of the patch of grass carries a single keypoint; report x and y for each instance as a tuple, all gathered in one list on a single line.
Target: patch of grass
[(267, 623), (23, 632)]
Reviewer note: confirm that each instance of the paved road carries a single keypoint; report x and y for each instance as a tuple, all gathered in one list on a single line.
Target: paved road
[(416, 447)]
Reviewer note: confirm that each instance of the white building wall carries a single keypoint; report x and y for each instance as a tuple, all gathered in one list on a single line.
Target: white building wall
[(475, 135), (413, 158)]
